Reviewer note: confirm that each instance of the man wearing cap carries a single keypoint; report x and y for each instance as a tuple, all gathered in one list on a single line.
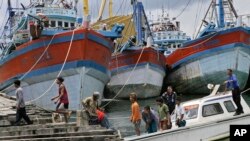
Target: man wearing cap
[(91, 103), (95, 114)]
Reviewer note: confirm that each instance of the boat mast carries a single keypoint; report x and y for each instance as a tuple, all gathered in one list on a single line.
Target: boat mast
[(101, 10), (220, 10), (86, 7), (110, 8), (141, 22), (11, 14)]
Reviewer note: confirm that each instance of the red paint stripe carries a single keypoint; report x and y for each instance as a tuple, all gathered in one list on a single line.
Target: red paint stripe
[(199, 46), (130, 57), (80, 50)]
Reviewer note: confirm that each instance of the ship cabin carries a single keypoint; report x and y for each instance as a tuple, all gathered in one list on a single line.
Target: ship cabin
[(216, 106), (51, 17), (167, 35)]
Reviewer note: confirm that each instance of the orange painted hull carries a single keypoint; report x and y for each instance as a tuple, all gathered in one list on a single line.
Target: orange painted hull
[(87, 45), (140, 71)]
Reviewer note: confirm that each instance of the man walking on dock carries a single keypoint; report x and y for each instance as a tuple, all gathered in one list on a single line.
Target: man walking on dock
[(63, 105), (232, 84), (20, 106), (135, 115)]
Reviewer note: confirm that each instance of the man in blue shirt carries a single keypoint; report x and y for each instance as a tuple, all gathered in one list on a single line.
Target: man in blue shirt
[(232, 84)]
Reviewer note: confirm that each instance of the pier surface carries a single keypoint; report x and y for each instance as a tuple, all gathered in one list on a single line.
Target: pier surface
[(44, 129)]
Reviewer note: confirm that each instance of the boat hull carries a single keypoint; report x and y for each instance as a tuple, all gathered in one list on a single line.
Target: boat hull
[(80, 83), (85, 67), (206, 60), (204, 131), (146, 81), (192, 77), (143, 76)]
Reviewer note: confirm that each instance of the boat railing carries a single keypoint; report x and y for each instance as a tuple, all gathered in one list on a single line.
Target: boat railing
[(245, 20), (245, 91)]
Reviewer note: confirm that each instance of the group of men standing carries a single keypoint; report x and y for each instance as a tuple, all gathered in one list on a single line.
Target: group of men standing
[(168, 104)]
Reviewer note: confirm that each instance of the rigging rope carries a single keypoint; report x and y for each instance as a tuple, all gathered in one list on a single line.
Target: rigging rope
[(65, 60), (1, 4), (38, 59), (183, 9), (199, 6), (212, 35), (33, 64), (126, 82), (6, 13)]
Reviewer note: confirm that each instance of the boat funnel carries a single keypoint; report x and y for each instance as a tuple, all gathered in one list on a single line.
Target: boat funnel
[(177, 25), (86, 21), (149, 41), (239, 21)]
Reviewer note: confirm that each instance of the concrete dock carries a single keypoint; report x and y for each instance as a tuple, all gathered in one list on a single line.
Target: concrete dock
[(43, 129)]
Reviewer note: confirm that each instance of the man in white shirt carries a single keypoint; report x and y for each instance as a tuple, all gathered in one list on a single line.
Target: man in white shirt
[(179, 113), (20, 105)]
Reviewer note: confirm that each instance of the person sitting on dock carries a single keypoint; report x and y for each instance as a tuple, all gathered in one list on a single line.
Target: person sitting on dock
[(179, 113), (232, 84), (169, 98), (20, 105), (96, 115), (164, 116), (102, 119), (135, 117), (150, 119), (91, 105), (62, 100)]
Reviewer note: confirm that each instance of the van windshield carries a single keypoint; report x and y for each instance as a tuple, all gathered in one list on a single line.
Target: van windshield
[(191, 111)]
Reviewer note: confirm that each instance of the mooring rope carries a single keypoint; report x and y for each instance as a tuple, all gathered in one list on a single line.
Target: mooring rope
[(65, 60), (33, 64), (126, 82)]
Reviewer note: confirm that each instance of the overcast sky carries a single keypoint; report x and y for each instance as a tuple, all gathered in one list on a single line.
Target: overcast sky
[(190, 18)]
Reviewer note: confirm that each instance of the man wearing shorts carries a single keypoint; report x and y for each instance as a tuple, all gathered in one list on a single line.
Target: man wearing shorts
[(62, 100), (164, 116), (135, 115)]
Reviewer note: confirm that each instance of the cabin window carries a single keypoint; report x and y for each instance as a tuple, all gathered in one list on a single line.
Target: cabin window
[(60, 23), (211, 109), (191, 111), (66, 24), (38, 10), (53, 23), (229, 106), (72, 24)]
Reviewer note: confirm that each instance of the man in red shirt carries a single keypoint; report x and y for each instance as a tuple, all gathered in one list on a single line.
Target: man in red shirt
[(62, 100)]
